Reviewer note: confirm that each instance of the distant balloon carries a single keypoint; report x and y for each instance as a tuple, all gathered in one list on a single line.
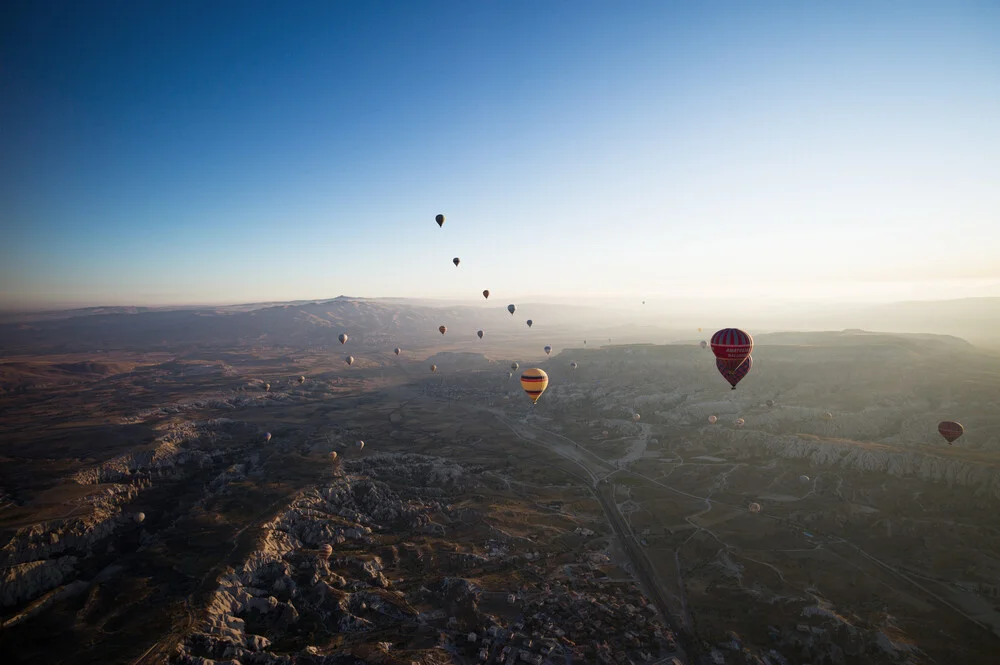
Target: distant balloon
[(486, 294), (699, 329), (349, 360), (740, 422), (139, 518), (325, 551), (434, 368), (643, 302), (635, 417), (585, 342), (333, 455), (732, 344), (510, 374), (267, 387), (733, 372), (827, 416), (480, 334), (456, 261), (604, 433), (360, 445), (440, 220), (511, 309), (950, 430), (755, 507), (573, 365), (770, 402), (548, 350), (703, 344), (803, 479), (302, 379), (529, 323), (343, 338), (267, 437), (442, 330), (514, 366), (713, 419), (534, 382), (397, 350)]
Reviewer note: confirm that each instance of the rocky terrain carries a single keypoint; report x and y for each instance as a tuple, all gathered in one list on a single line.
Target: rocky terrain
[(147, 516)]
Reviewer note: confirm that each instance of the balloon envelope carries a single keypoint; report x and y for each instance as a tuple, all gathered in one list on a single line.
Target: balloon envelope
[(486, 293), (713, 419), (548, 350), (434, 368), (950, 430), (511, 309), (349, 360), (732, 371), (732, 344), (343, 338), (770, 402), (440, 220), (803, 479), (755, 507), (267, 436), (529, 323), (514, 366), (635, 417), (442, 330), (359, 445), (302, 379), (326, 550), (456, 261), (480, 334), (703, 344), (740, 422), (573, 365), (534, 382), (397, 350)]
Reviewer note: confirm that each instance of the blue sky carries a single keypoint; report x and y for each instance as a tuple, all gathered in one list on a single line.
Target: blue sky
[(234, 152)]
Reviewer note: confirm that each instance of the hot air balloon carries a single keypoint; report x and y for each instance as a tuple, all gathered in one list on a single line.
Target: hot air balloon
[(511, 309), (267, 387), (510, 374), (360, 445), (139, 518), (713, 419), (529, 323), (267, 437), (734, 374), (703, 344), (803, 479), (486, 294), (397, 350), (479, 334), (604, 433), (635, 417), (514, 366), (950, 430), (349, 360), (547, 350), (440, 220), (302, 379), (333, 455), (732, 344), (573, 365), (740, 422), (699, 329), (585, 342), (442, 330), (456, 261), (770, 402), (325, 551), (755, 507), (827, 416), (643, 302), (434, 368), (534, 381), (343, 338)]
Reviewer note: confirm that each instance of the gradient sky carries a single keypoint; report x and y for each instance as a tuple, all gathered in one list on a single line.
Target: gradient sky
[(183, 152)]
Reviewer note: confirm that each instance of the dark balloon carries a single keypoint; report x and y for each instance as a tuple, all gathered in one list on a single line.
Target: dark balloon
[(732, 371), (732, 344), (440, 220), (950, 430)]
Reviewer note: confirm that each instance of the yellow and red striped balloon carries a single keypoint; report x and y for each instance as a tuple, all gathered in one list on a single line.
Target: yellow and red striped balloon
[(534, 382)]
